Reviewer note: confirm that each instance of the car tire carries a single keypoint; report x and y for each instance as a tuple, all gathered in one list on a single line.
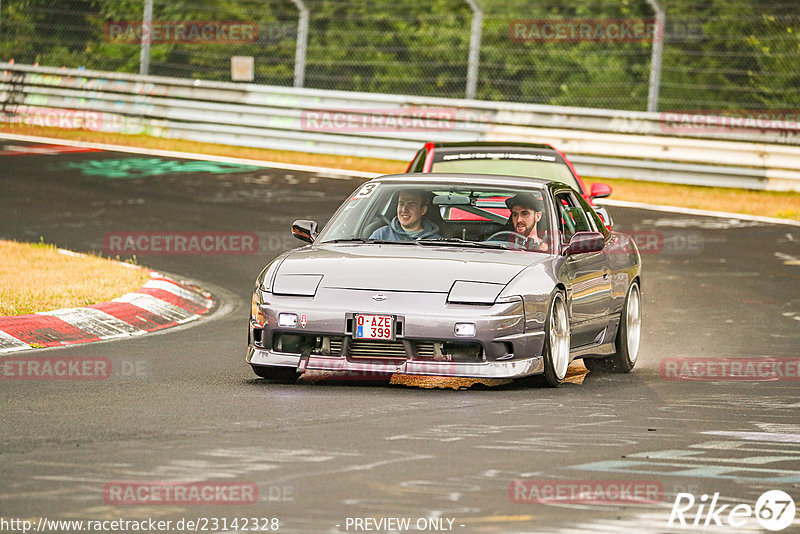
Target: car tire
[(556, 342), (281, 374), (628, 337)]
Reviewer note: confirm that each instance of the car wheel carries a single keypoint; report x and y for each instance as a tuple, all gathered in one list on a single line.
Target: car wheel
[(556, 342), (629, 335), (281, 374)]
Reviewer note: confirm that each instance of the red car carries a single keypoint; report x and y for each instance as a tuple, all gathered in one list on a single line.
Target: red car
[(508, 159)]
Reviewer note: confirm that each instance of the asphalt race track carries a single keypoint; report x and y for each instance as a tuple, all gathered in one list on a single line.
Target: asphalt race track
[(324, 455)]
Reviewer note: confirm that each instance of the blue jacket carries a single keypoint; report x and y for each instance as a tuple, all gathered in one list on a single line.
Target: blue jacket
[(395, 232)]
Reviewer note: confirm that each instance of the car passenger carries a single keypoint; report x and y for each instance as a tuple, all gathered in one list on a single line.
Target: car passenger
[(526, 212), (410, 222)]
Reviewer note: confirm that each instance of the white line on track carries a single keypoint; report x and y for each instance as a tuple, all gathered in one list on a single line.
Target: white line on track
[(692, 211), (345, 174), (334, 173)]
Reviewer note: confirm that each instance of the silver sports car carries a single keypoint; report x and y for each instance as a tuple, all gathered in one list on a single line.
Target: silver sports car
[(451, 275)]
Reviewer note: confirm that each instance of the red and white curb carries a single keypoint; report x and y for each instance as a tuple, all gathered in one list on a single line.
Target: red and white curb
[(160, 303)]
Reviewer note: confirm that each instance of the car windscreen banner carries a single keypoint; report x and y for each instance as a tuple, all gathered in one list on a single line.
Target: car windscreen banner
[(440, 156)]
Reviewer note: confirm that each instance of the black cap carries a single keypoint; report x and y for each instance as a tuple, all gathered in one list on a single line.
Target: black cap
[(526, 200)]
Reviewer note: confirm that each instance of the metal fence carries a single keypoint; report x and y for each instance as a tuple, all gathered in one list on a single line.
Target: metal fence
[(717, 55), (602, 143)]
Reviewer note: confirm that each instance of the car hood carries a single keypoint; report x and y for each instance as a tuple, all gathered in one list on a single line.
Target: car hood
[(391, 267)]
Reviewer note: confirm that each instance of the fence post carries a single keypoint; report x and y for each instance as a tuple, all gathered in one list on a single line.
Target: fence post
[(147, 26), (474, 48), (655, 59), (302, 43)]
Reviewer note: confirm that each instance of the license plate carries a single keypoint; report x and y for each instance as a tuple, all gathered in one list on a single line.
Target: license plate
[(373, 327)]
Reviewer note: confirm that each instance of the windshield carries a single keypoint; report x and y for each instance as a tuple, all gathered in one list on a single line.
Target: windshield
[(506, 163), (443, 214)]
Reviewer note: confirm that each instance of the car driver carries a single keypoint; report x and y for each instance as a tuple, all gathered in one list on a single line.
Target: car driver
[(526, 211), (410, 222)]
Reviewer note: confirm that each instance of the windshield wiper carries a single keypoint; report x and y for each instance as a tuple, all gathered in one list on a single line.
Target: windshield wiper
[(370, 241), (457, 241)]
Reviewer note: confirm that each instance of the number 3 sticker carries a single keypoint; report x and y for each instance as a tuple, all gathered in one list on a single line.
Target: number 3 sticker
[(366, 191)]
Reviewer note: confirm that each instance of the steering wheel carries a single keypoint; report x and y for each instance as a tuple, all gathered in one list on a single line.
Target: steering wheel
[(515, 240), (505, 234)]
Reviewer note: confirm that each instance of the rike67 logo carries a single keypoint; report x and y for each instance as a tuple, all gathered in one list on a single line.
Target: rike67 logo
[(774, 510)]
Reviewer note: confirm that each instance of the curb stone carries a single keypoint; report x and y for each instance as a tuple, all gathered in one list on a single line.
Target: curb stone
[(161, 303)]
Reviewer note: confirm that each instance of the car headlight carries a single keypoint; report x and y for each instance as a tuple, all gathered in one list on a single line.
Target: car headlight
[(466, 292), (302, 285), (257, 315)]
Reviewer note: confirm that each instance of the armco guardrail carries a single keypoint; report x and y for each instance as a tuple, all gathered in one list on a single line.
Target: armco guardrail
[(603, 143)]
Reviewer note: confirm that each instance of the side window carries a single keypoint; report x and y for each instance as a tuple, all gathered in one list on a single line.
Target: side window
[(378, 214), (571, 217), (597, 223)]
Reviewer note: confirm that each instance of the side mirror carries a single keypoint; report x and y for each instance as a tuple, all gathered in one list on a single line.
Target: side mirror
[(583, 242), (304, 230), (599, 190)]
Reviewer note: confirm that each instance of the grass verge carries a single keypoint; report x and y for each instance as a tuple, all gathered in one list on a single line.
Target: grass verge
[(36, 277), (784, 205)]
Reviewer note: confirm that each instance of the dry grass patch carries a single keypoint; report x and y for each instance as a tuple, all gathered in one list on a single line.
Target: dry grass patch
[(36, 277), (764, 203)]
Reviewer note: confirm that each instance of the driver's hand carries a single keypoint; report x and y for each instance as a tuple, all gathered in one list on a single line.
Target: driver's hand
[(535, 243)]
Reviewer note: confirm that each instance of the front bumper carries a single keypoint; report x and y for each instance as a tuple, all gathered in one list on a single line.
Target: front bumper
[(503, 369), (507, 350)]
